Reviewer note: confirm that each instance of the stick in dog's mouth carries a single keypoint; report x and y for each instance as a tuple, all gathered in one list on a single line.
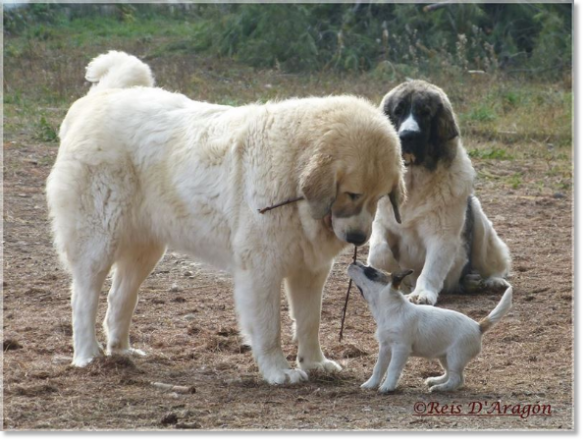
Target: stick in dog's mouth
[(347, 297)]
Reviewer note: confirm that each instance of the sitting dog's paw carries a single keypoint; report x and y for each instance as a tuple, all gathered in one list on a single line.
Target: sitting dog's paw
[(423, 297), (325, 365), (495, 283), (369, 385), (442, 387), (286, 376)]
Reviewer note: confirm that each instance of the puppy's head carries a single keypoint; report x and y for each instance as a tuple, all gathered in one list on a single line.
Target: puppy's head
[(374, 285), (355, 161), (424, 119)]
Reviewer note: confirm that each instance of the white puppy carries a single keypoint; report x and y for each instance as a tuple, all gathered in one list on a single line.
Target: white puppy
[(141, 169), (406, 329)]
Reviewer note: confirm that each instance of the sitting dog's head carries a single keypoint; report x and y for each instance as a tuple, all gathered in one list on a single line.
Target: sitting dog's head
[(374, 285), (355, 161), (424, 119)]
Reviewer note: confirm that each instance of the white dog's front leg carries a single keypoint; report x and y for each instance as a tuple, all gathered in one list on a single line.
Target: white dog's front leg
[(439, 259), (257, 300), (399, 358), (304, 290), (380, 368)]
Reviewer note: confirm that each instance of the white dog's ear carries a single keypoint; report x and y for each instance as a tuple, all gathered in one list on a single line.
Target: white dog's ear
[(318, 185), (397, 278), (397, 197)]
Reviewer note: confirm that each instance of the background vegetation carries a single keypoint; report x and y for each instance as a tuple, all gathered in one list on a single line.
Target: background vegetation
[(505, 67)]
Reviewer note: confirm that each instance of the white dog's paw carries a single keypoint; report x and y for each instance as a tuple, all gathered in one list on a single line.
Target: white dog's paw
[(423, 297), (370, 384), (325, 365), (286, 376), (87, 355), (435, 380)]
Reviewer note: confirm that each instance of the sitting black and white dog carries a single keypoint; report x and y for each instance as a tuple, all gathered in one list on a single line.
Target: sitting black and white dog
[(444, 236)]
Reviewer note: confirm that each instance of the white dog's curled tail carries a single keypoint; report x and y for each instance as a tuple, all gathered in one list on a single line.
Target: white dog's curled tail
[(118, 70), (498, 313)]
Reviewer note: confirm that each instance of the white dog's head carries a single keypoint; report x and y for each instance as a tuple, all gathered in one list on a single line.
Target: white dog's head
[(376, 287), (355, 161)]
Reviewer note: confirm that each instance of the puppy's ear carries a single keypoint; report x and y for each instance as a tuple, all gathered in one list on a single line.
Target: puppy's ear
[(397, 278), (397, 197), (318, 185), (443, 126)]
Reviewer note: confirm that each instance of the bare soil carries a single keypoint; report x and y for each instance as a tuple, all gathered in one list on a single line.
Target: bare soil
[(186, 323)]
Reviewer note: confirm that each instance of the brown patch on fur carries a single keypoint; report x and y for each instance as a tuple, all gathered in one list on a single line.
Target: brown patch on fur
[(484, 325)]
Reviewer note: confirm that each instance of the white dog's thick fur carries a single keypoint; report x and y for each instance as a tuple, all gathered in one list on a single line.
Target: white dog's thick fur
[(140, 169), (444, 234), (406, 329)]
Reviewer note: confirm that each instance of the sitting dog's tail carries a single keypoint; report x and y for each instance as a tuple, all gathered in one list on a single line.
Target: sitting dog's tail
[(498, 313), (117, 70)]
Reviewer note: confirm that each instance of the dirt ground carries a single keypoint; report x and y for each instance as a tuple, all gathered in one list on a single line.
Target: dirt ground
[(185, 321)]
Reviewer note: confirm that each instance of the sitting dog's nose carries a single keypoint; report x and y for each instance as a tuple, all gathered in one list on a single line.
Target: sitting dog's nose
[(357, 238), (408, 135)]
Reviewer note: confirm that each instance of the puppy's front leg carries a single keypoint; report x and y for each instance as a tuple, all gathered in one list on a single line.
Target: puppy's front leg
[(304, 289), (399, 357), (257, 298), (439, 259), (380, 367)]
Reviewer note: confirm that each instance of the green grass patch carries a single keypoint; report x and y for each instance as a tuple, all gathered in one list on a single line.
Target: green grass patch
[(490, 154)]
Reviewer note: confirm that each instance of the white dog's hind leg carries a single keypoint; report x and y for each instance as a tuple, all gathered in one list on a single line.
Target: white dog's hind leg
[(399, 357), (439, 379), (304, 291), (380, 368), (257, 300), (455, 364), (131, 270)]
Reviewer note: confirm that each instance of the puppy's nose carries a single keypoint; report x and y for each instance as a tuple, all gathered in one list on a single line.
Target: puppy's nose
[(357, 238), (408, 135)]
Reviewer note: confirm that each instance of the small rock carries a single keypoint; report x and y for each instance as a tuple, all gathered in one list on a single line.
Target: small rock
[(188, 273), (169, 419), (189, 317), (175, 288), (559, 195), (188, 426), (61, 360), (11, 344)]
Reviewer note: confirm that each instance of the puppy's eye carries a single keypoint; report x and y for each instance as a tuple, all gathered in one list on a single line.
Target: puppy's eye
[(399, 110), (354, 196)]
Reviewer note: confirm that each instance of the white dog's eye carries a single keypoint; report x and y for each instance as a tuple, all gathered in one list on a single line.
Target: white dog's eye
[(354, 196)]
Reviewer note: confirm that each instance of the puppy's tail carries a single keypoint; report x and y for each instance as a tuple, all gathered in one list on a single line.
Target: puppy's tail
[(117, 70), (498, 313)]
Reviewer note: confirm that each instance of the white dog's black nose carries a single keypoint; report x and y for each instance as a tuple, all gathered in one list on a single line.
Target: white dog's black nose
[(357, 238)]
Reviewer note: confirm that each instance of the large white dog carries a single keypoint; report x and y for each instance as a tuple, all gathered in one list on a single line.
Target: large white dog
[(445, 236), (140, 169)]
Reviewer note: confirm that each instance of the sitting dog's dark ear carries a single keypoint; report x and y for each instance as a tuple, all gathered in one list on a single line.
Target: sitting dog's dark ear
[(318, 185), (397, 197), (443, 126), (397, 278)]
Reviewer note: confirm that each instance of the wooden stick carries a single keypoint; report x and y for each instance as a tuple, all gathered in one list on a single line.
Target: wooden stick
[(347, 298), (266, 209)]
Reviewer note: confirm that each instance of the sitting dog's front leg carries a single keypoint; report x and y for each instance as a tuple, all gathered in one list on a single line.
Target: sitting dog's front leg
[(380, 368), (257, 300), (438, 261), (304, 291)]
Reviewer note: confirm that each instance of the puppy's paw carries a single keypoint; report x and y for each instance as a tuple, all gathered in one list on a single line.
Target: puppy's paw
[(385, 389), (129, 352), (495, 283), (370, 384), (325, 365), (422, 296), (442, 387), (435, 380)]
